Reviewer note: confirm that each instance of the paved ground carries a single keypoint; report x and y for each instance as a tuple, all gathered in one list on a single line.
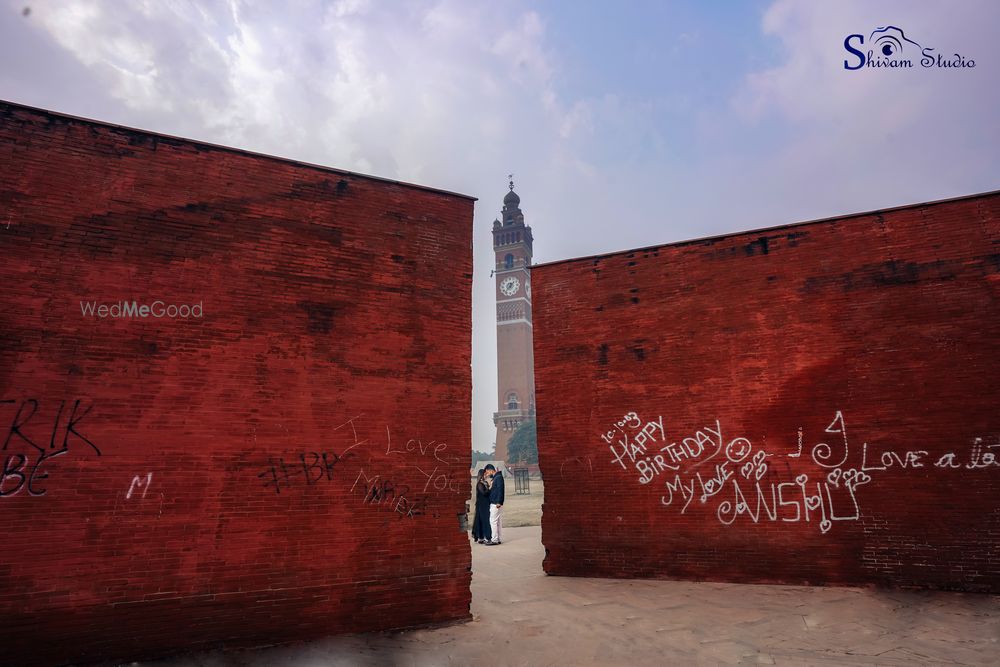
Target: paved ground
[(526, 618)]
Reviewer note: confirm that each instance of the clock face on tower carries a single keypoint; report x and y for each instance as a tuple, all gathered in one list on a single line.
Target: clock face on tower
[(509, 286)]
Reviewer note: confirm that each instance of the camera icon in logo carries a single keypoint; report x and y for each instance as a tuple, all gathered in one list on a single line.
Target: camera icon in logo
[(889, 41)]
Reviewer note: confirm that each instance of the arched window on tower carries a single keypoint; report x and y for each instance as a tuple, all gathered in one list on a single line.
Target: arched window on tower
[(512, 403), (508, 261)]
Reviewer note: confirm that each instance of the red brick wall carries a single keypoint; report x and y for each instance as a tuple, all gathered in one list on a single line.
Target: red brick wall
[(292, 463), (875, 337)]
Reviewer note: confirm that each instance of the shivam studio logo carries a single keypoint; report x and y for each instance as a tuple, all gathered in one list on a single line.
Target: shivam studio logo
[(889, 48)]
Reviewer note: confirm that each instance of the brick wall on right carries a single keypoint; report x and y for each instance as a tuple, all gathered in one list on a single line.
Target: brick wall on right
[(817, 403)]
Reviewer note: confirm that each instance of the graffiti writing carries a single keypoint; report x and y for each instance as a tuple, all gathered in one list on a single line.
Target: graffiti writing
[(69, 429), (630, 421), (733, 473), (28, 453), (977, 458), (441, 481), (414, 445), (579, 462), (306, 469), (632, 443), (139, 483), (20, 472), (313, 468), (383, 493)]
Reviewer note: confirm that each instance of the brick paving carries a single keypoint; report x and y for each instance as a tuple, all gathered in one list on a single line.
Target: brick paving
[(523, 617)]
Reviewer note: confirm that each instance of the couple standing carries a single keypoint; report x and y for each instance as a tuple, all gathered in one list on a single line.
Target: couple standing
[(488, 525)]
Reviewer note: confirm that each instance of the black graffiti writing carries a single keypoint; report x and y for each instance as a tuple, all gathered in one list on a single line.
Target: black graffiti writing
[(305, 469), (25, 413), (26, 452), (384, 493), (19, 472)]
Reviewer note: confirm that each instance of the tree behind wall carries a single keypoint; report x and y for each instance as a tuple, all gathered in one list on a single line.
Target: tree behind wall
[(478, 456), (523, 445)]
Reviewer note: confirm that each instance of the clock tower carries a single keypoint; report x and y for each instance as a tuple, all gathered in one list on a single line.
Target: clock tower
[(515, 358)]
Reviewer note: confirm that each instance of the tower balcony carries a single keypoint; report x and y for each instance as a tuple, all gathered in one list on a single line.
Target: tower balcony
[(509, 420)]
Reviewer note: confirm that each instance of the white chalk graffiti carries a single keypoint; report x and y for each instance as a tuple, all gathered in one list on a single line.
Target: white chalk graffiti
[(822, 453), (414, 445), (579, 461), (735, 471), (630, 420), (977, 458), (442, 481), (139, 483), (633, 444), (318, 467), (433, 450)]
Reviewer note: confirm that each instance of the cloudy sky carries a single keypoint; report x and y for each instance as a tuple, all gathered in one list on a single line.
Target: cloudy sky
[(625, 124)]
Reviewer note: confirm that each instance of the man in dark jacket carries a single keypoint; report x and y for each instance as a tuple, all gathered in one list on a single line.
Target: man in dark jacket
[(496, 503)]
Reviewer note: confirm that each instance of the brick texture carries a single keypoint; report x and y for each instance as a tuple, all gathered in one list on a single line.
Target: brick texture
[(814, 404), (292, 463)]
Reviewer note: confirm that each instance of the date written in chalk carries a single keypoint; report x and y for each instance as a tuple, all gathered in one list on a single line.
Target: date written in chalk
[(308, 469)]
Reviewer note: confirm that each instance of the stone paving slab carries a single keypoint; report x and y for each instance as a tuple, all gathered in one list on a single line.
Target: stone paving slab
[(523, 617)]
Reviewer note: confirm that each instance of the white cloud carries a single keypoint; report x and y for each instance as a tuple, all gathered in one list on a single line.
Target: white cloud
[(853, 140)]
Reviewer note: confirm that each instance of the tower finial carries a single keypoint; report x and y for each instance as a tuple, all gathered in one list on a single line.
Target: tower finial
[(511, 177)]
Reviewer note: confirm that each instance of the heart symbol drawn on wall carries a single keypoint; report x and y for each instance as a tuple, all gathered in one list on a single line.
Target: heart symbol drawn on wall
[(824, 525), (802, 479), (813, 505), (856, 479), (747, 469), (834, 478)]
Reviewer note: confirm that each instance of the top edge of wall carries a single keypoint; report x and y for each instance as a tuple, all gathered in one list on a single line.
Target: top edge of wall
[(231, 149), (761, 230)]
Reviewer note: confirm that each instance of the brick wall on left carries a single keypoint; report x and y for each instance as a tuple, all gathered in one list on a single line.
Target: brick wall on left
[(235, 396)]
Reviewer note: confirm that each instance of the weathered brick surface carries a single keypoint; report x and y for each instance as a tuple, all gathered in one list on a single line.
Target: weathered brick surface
[(877, 335), (209, 481)]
